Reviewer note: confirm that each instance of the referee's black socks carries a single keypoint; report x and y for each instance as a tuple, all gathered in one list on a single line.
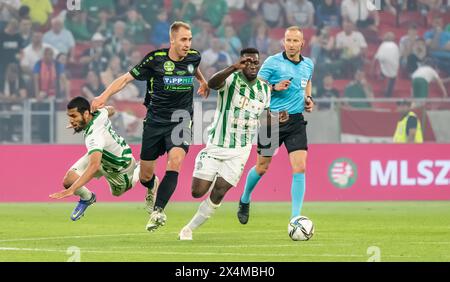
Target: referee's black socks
[(166, 189)]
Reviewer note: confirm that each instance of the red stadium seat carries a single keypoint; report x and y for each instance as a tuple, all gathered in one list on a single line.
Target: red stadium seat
[(387, 19), (238, 18), (144, 49), (277, 33), (75, 87), (340, 85), (80, 47), (407, 18)]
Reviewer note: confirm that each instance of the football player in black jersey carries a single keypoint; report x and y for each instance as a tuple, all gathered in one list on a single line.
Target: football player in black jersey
[(167, 128)]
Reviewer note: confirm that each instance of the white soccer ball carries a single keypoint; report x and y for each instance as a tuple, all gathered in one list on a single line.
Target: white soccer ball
[(300, 228)]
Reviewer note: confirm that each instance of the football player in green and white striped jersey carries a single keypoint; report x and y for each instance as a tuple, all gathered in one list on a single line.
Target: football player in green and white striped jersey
[(108, 155), (242, 100)]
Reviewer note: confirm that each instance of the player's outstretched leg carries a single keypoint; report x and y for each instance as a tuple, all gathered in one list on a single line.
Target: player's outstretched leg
[(206, 208), (87, 198), (253, 177)]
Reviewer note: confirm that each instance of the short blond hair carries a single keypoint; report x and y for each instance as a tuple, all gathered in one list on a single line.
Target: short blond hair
[(175, 26), (294, 28)]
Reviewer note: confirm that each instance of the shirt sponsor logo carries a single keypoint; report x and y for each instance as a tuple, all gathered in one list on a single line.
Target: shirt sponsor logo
[(169, 66), (190, 68), (178, 80)]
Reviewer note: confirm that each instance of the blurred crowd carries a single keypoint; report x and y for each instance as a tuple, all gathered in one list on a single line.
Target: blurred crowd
[(48, 51)]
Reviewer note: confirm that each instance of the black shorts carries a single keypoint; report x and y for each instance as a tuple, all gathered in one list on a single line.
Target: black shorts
[(157, 139), (292, 133)]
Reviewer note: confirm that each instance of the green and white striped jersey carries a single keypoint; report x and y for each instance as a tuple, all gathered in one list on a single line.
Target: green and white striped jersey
[(99, 136), (239, 106)]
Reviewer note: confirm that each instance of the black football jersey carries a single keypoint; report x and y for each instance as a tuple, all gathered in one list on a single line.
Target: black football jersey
[(170, 84)]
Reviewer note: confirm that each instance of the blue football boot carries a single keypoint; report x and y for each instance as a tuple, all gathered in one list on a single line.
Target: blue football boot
[(79, 210)]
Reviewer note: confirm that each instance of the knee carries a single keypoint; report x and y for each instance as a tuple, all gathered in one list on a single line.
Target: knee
[(197, 193), (67, 183), (175, 163), (299, 168), (145, 176), (261, 169)]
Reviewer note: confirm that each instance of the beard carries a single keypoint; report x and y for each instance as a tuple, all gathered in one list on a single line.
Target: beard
[(81, 127)]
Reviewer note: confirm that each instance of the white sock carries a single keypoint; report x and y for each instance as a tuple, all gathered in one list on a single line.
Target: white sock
[(136, 172), (84, 193), (205, 211)]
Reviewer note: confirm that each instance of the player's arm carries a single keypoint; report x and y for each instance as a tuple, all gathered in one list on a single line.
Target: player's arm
[(111, 110), (117, 85), (94, 165), (309, 102), (217, 81), (203, 90)]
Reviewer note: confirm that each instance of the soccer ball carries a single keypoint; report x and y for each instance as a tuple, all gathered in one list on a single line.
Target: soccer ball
[(300, 228)]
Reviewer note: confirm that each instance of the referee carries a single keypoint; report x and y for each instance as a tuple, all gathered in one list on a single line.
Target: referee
[(289, 74), (169, 74)]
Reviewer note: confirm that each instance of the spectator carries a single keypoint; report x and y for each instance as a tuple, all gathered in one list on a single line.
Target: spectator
[(113, 71), (406, 44), (418, 55), (215, 56), (95, 58), (134, 60), (60, 38), (328, 14), (184, 9), (24, 12), (236, 4), (10, 44), (125, 54), (126, 124), (202, 31), (322, 45), (362, 13), (113, 44), (214, 11), (160, 32), (427, 6), (252, 6), (93, 7), (49, 77), (422, 77), (77, 24), (232, 43), (122, 8), (12, 93), (352, 47), (25, 31), (388, 56), (137, 28), (40, 10), (102, 24), (149, 9), (272, 12), (327, 91), (93, 86), (358, 88), (438, 42), (260, 40), (8, 11), (300, 12), (33, 53), (409, 129)]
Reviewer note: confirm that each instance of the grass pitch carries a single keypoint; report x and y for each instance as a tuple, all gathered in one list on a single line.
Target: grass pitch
[(350, 231)]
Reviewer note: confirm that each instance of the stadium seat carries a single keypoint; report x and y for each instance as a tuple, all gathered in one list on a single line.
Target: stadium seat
[(340, 85), (144, 49), (80, 47), (238, 18), (277, 33), (407, 18), (387, 20), (75, 87)]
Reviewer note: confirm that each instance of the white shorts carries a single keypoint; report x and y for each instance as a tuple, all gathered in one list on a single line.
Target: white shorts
[(119, 182), (227, 163)]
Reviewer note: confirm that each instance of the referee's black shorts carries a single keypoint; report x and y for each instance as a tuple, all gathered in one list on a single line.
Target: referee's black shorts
[(157, 139), (292, 133)]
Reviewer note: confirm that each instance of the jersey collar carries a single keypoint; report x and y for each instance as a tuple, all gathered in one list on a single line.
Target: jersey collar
[(295, 63)]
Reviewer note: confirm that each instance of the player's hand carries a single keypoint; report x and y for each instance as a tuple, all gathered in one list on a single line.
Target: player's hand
[(309, 104), (243, 63), (282, 85), (283, 116), (97, 103), (62, 194), (203, 90)]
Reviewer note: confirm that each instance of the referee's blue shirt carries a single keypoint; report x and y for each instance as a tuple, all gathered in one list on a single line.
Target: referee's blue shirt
[(277, 68)]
